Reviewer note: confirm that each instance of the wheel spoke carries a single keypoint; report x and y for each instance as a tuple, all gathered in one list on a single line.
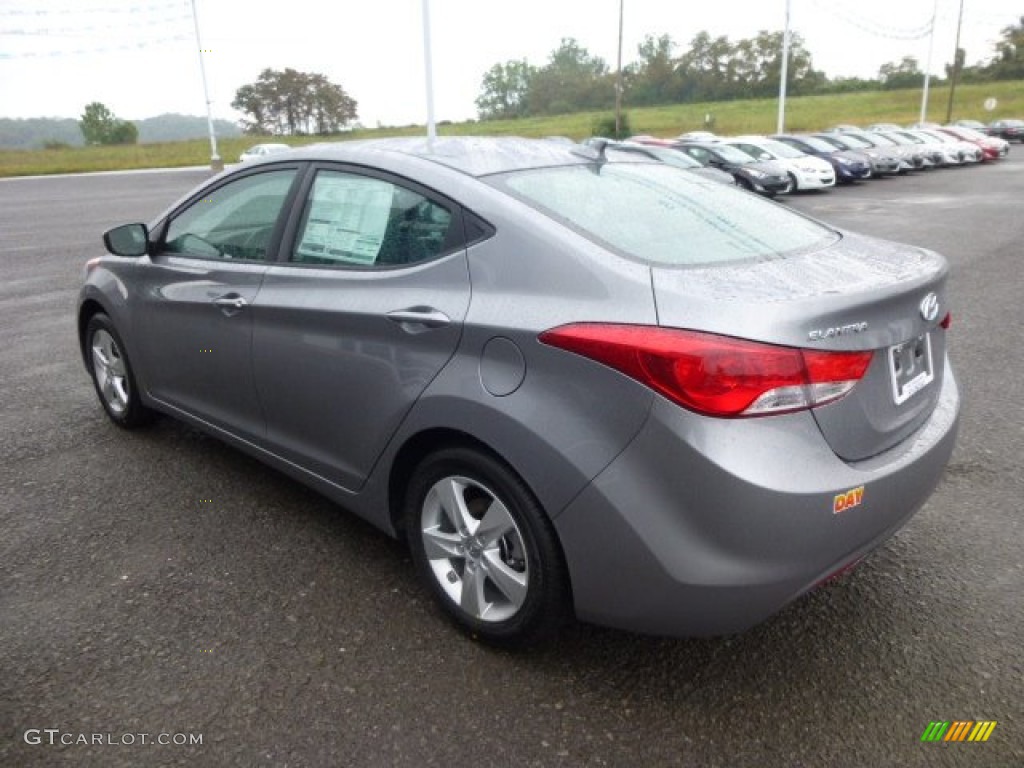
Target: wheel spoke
[(453, 504), (117, 366), (109, 391), (510, 582), (109, 348), (472, 600), (99, 360), (496, 523), (121, 390), (440, 545)]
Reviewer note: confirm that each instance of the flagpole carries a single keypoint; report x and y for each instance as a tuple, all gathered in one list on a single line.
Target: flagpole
[(784, 75), (928, 66), (618, 80), (428, 68)]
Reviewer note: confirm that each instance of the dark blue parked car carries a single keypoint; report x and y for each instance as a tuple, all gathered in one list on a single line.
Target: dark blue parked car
[(850, 165)]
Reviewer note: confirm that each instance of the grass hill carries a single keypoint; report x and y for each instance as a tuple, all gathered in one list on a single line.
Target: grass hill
[(804, 113)]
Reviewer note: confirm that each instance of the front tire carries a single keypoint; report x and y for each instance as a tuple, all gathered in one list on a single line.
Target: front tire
[(112, 374), (485, 547)]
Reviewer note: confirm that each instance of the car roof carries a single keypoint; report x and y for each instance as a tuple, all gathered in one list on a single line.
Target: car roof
[(750, 138), (472, 155)]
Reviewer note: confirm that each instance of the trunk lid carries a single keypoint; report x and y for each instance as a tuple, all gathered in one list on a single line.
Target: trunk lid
[(859, 293)]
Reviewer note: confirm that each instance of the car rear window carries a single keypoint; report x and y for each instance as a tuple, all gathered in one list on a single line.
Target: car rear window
[(663, 215)]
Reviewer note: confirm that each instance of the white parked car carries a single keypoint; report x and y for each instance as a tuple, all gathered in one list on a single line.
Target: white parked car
[(259, 151), (940, 152), (805, 171), (968, 152)]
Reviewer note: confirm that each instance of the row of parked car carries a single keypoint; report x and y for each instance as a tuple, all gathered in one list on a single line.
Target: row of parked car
[(785, 163)]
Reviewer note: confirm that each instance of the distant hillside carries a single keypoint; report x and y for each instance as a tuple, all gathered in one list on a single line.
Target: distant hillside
[(172, 127), (35, 132)]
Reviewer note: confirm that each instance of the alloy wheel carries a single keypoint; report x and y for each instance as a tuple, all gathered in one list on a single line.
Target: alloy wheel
[(474, 549), (111, 373)]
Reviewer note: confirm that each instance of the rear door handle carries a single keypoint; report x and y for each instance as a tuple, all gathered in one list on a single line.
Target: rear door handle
[(417, 319)]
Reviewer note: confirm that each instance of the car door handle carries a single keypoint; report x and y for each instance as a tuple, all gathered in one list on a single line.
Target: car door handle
[(231, 301), (416, 319)]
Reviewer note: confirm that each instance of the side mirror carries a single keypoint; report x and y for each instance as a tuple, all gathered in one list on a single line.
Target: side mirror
[(127, 240)]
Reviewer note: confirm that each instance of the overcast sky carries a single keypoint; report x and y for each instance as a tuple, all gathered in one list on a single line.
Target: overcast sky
[(139, 57)]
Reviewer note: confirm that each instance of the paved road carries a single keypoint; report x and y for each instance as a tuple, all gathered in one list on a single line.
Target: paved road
[(288, 633)]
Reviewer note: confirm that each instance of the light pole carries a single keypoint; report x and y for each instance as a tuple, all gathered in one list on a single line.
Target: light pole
[(215, 161), (784, 75)]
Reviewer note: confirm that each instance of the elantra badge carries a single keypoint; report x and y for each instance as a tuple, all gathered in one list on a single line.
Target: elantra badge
[(930, 307), (822, 334)]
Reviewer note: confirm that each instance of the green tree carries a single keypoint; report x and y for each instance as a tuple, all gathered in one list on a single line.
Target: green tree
[(572, 80), (100, 126), (123, 132), (707, 69), (1008, 63), (652, 79), (904, 74), (504, 90), (293, 102)]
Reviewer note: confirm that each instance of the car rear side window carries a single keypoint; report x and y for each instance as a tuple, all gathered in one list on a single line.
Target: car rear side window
[(362, 221), (664, 215), (234, 221)]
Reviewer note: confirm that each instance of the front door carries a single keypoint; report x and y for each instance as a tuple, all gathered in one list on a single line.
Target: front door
[(196, 307)]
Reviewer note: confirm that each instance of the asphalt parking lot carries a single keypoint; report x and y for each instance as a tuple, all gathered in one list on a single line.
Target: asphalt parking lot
[(161, 583)]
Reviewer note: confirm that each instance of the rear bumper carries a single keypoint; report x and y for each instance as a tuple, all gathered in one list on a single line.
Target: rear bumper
[(706, 527)]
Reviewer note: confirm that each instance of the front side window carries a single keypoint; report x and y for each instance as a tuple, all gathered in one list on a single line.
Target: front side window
[(730, 154), (234, 221), (818, 145), (701, 155), (755, 152), (360, 221), (662, 215)]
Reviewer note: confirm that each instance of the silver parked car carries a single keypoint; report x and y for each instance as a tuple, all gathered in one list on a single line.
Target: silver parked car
[(575, 379)]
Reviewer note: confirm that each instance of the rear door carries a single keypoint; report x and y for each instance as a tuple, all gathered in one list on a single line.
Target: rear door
[(361, 316), (195, 309)]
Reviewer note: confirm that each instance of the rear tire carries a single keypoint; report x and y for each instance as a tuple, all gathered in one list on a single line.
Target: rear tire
[(112, 374), (486, 548)]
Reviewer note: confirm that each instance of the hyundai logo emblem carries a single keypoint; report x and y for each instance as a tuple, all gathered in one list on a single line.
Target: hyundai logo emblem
[(930, 307)]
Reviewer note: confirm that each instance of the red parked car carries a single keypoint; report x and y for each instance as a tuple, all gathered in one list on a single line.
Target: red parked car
[(992, 147)]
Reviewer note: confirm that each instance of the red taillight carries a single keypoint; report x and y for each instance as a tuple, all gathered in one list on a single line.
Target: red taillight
[(716, 375), (946, 321)]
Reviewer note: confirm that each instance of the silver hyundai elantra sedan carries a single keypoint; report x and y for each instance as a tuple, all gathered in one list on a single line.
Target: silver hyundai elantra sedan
[(577, 380)]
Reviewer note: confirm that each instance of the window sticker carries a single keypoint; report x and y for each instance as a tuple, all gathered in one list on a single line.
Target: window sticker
[(347, 219)]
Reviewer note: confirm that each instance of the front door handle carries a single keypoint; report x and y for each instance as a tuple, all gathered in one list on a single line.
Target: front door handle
[(417, 319), (231, 303)]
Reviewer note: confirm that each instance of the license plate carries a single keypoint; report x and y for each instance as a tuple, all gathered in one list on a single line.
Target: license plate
[(910, 367)]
